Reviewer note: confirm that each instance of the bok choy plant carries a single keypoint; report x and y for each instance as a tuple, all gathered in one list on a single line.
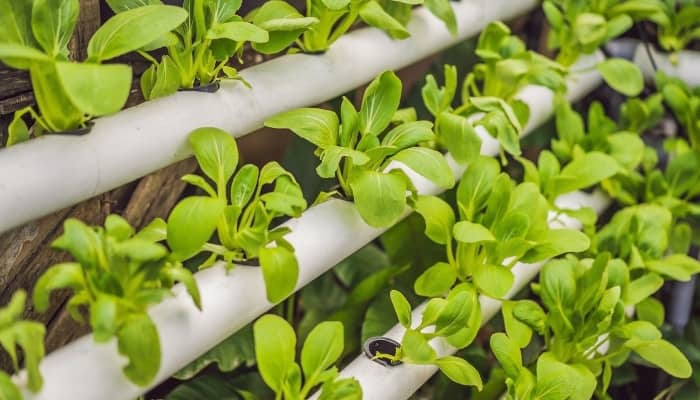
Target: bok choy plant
[(275, 352), (117, 275), (238, 210), (499, 224), (585, 331), (200, 49), (455, 318), (336, 17), (34, 36), (359, 151), (26, 335), (456, 129)]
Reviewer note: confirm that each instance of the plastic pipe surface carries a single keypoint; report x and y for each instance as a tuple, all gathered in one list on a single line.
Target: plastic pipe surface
[(52, 172), (323, 236), (400, 382), (686, 67)]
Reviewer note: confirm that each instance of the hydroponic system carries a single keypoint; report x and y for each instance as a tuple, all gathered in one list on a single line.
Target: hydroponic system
[(519, 219)]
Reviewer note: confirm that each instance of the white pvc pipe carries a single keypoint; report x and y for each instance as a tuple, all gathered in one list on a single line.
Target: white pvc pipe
[(686, 68), (323, 236), (52, 172), (400, 382)]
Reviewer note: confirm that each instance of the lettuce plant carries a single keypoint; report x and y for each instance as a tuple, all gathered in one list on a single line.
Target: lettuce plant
[(455, 318), (358, 151), (507, 67), (585, 331), (116, 276), (275, 352), (499, 224), (238, 210), (34, 36), (336, 17), (200, 49), (455, 129), (26, 335)]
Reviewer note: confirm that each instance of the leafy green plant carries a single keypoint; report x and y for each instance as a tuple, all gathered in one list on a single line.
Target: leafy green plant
[(581, 27), (238, 210), (499, 225), (26, 335), (456, 129), (359, 152), (507, 67), (676, 25), (116, 276), (336, 17), (585, 332), (275, 350), (455, 319), (199, 51), (34, 36)]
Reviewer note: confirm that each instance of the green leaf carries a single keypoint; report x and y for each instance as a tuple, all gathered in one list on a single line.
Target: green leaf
[(436, 280), (558, 283), (590, 29), (460, 371), (443, 10), (236, 350), (184, 276), (373, 14), (322, 348), (283, 23), (662, 354), (507, 353), (192, 223), (380, 100), (332, 157), (643, 287), (53, 22), (402, 308), (59, 276), (475, 187), (280, 271), (651, 310), (459, 136), (409, 134), (95, 89), (456, 313), (138, 340), (493, 280), (438, 216), (315, 125), (275, 344), (622, 75), (380, 198), (585, 171), (243, 185), (557, 380), (416, 349), (428, 163), (103, 318), (216, 152), (471, 232), (133, 29), (518, 331), (557, 242), (238, 31), (15, 23)]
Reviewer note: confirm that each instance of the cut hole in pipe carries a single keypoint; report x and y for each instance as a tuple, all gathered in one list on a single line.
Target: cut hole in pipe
[(381, 345), (208, 88), (78, 131)]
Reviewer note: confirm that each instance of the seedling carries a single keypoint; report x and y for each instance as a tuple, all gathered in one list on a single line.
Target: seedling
[(499, 224), (25, 335), (336, 17), (240, 213), (34, 36), (455, 319), (275, 352), (359, 151), (585, 332), (117, 275), (685, 104)]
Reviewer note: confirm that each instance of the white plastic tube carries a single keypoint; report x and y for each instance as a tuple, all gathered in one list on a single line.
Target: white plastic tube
[(686, 67), (323, 236), (52, 172), (400, 382)]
